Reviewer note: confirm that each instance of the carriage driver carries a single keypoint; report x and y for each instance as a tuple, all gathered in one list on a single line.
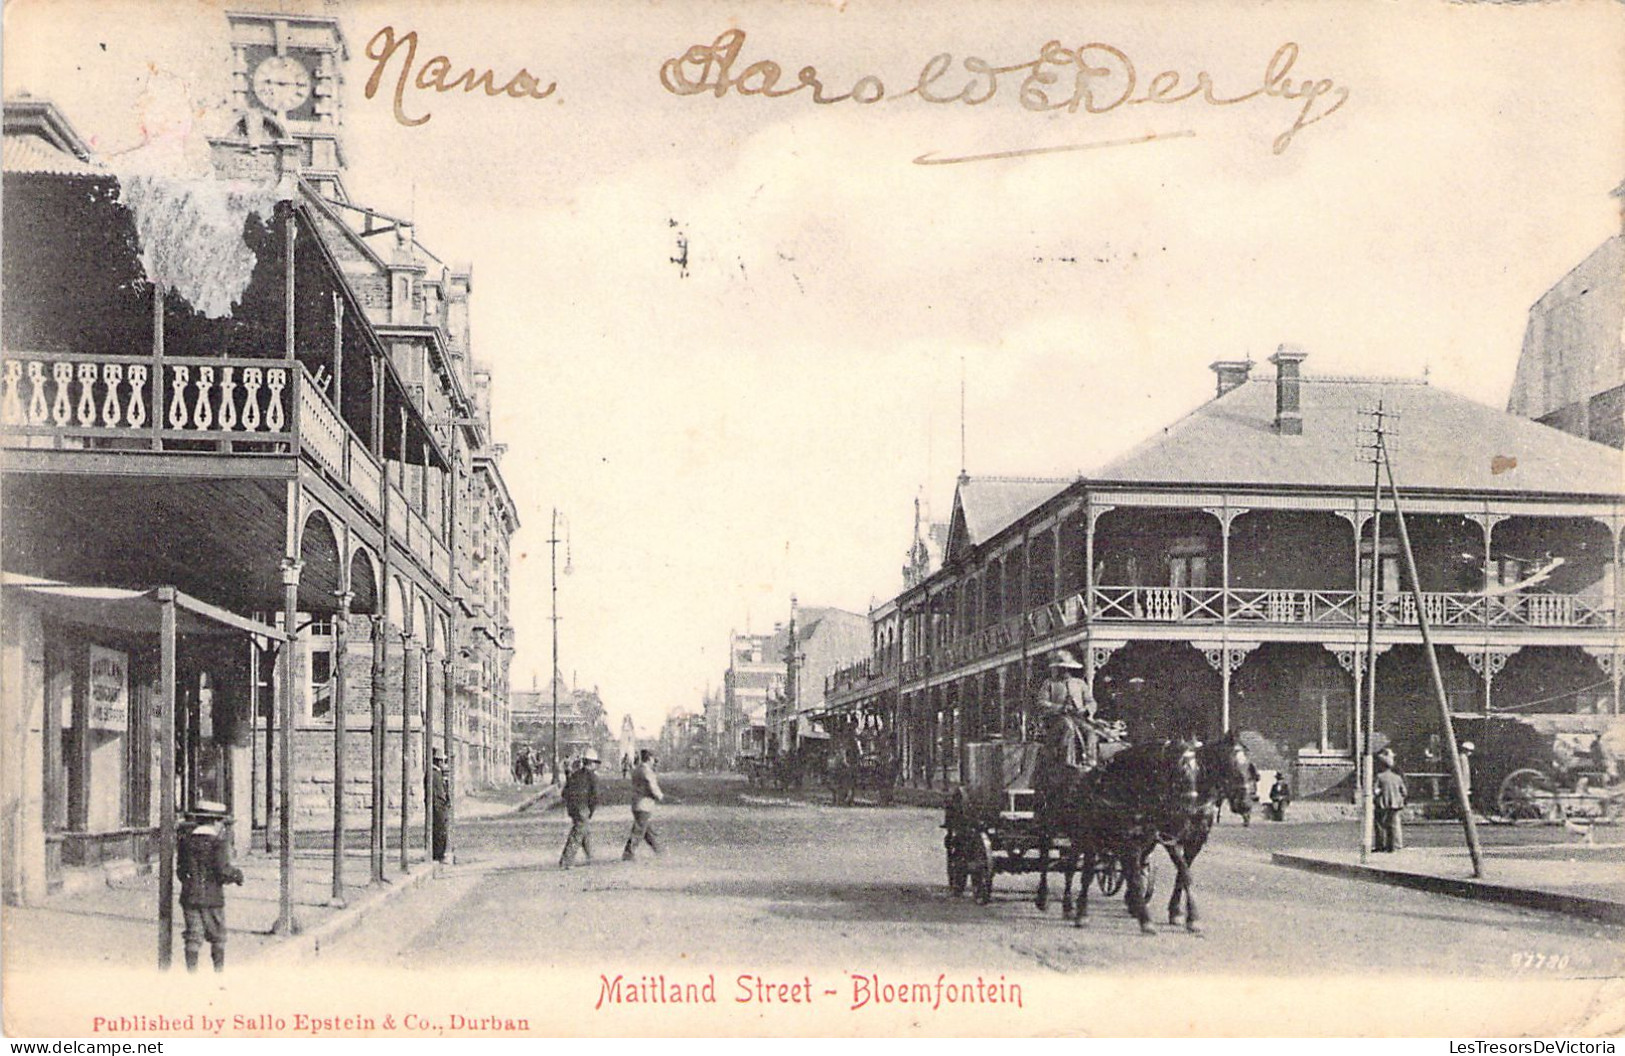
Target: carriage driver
[(1071, 745)]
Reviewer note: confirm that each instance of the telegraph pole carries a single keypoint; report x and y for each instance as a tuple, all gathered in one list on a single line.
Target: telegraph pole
[(553, 679), (1385, 464), (553, 554), (1365, 725)]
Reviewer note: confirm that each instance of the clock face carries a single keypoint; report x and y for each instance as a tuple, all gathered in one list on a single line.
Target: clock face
[(281, 83)]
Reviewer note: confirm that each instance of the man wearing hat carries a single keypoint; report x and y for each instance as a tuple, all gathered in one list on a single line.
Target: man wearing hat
[(1388, 801), (645, 794), (440, 792), (1071, 743), (581, 801), (204, 868)]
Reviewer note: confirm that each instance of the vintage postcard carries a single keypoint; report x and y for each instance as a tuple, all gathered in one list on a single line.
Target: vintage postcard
[(676, 517)]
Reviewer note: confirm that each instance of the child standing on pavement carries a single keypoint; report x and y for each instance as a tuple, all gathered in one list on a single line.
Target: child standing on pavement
[(205, 867)]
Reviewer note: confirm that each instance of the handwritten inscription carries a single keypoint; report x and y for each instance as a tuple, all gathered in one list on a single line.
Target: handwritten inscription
[(433, 74), (1096, 78)]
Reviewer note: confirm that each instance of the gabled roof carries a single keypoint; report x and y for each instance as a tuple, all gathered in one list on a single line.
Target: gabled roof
[(986, 506), (1442, 442), (38, 139)]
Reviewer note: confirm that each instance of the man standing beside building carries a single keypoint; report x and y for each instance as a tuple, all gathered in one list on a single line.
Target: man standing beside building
[(581, 801), (645, 794), (1389, 803), (440, 790)]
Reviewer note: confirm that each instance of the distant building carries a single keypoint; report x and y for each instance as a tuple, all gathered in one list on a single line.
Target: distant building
[(629, 741), (582, 723), (926, 550), (812, 646), (683, 744), (1571, 374), (755, 675)]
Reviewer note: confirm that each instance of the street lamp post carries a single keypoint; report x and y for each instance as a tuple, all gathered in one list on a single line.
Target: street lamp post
[(553, 680)]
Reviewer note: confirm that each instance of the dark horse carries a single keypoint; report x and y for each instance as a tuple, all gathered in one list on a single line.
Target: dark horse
[(1163, 793)]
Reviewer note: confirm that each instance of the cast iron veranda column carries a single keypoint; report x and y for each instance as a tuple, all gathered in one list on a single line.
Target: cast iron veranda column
[(166, 777), (409, 682), (341, 633), (286, 924), (428, 754), (380, 722)]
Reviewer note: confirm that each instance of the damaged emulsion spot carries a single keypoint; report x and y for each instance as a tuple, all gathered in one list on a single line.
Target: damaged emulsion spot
[(191, 234), (189, 224), (681, 259), (1502, 464)]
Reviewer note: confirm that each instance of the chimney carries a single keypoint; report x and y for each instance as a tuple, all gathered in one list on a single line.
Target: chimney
[(1232, 373), (1288, 382)]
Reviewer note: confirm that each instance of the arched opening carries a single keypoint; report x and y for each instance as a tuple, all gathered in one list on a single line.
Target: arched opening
[(1160, 690)]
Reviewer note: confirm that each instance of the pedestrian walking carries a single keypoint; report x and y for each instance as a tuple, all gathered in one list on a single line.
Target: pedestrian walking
[(1466, 756), (204, 869), (581, 802), (1389, 803), (645, 794), (440, 791), (1280, 796)]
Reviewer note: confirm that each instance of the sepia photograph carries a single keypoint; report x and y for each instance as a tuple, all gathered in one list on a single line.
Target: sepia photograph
[(812, 518)]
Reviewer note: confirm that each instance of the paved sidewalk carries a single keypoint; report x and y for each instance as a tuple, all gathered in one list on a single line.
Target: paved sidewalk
[(1562, 876), (116, 925)]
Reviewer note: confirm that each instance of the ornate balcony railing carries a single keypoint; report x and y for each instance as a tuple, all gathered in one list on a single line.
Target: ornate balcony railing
[(198, 405), (73, 400), (1254, 607)]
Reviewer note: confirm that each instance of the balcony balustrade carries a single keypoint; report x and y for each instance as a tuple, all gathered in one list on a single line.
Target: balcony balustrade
[(68, 400), (1250, 607), (200, 406)]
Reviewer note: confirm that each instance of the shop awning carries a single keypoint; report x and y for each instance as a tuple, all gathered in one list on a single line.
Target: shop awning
[(132, 609)]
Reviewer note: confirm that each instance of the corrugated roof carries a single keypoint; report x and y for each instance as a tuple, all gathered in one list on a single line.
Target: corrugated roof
[(1443, 441), (29, 153), (992, 504)]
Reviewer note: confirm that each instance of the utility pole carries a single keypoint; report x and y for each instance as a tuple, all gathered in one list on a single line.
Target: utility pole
[(553, 554), (1365, 725), (1385, 464)]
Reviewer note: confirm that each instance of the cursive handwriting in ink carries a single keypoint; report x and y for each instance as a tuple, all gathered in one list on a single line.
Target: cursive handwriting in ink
[(433, 73), (1097, 78)]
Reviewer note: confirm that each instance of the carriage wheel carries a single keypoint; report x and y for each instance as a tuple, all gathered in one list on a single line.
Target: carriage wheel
[(981, 868), (1527, 795), (1109, 875)]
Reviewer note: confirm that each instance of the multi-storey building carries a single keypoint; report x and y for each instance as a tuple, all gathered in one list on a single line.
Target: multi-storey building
[(811, 647), (755, 675), (1217, 577), (233, 382), (1571, 374)]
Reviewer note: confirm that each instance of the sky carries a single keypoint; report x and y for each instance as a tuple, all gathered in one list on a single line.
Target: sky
[(729, 332)]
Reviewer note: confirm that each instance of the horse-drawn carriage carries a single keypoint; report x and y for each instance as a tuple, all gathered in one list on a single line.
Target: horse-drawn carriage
[(1102, 827), (857, 763), (1555, 767), (990, 825)]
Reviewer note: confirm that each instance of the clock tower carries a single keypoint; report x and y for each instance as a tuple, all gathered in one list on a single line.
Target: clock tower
[(285, 80)]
